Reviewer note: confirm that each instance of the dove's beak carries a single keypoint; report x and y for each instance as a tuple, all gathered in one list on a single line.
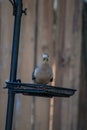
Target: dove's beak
[(45, 60)]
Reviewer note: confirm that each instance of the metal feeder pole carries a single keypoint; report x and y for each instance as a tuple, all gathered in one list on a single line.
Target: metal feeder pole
[(17, 12)]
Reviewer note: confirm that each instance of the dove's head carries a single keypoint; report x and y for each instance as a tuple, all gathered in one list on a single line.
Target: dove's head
[(45, 57)]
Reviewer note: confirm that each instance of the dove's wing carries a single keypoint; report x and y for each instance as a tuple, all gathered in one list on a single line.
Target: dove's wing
[(34, 73)]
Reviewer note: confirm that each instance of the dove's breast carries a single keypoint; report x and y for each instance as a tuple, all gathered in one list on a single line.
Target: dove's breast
[(43, 74)]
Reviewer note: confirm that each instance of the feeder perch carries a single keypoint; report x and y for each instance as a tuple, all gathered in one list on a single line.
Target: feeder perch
[(42, 90)]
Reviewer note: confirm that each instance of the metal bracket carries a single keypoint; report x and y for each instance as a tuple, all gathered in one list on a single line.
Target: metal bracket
[(24, 11), (14, 4)]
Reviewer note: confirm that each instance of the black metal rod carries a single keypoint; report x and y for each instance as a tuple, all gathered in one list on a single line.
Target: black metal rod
[(14, 61), (16, 36)]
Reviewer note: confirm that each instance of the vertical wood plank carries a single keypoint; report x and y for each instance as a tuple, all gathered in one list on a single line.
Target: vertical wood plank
[(70, 56), (5, 52), (6, 38), (82, 116), (45, 22), (59, 60)]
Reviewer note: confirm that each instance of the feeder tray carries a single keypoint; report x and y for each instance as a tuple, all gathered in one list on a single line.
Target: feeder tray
[(42, 90)]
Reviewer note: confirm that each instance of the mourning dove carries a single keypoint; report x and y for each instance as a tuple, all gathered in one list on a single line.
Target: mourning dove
[(43, 74)]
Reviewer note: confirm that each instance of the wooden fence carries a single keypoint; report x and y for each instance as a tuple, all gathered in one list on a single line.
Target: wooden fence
[(60, 36)]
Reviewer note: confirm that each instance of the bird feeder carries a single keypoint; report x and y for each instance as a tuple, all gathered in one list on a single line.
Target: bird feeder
[(14, 85)]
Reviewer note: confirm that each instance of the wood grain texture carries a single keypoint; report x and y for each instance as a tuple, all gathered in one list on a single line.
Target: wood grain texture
[(69, 63), (65, 55), (59, 48), (82, 116), (5, 53)]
